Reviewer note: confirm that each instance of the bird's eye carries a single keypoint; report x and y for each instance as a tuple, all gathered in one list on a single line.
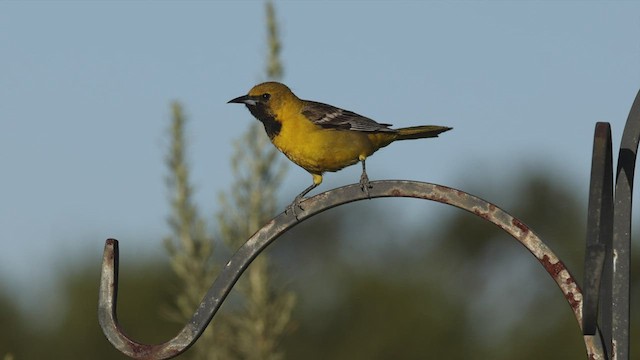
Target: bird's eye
[(266, 96)]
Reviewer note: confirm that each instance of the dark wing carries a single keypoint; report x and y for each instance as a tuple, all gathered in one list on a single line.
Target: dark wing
[(331, 117)]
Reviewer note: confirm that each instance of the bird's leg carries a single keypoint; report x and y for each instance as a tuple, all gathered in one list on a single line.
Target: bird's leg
[(365, 185), (295, 205)]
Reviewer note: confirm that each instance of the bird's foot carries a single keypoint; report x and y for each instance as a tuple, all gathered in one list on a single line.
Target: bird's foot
[(294, 206), (365, 185)]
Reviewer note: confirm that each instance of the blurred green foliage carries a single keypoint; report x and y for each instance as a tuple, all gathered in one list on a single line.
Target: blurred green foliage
[(449, 286), (369, 284), (260, 316)]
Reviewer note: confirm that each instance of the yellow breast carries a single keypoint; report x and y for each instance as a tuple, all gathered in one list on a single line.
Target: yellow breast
[(317, 149)]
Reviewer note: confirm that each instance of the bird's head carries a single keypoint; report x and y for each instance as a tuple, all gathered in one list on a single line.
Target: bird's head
[(270, 96)]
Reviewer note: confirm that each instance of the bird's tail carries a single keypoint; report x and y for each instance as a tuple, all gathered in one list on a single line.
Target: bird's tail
[(420, 132)]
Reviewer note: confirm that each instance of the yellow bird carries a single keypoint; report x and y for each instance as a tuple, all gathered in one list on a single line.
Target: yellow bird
[(320, 137)]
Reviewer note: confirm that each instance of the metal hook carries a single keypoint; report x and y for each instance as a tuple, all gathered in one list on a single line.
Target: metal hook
[(617, 296), (607, 259), (319, 203)]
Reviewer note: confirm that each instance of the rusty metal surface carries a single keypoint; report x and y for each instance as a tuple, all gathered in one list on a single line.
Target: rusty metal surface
[(283, 222)]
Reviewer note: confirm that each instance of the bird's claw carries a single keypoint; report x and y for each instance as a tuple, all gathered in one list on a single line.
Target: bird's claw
[(365, 185), (292, 208)]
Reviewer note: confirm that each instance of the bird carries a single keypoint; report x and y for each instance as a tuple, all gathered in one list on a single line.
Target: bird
[(319, 137)]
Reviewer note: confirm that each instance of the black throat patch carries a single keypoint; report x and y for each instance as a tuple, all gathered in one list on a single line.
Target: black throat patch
[(271, 125)]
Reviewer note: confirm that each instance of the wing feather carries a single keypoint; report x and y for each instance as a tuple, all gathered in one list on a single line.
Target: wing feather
[(331, 117)]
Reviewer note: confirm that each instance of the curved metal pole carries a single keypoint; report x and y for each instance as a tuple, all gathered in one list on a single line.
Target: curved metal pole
[(621, 258), (281, 223)]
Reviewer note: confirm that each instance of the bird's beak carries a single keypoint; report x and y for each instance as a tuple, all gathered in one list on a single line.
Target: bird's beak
[(244, 99)]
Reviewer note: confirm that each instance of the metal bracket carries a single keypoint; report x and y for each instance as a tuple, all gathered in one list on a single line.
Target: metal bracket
[(281, 223), (607, 258)]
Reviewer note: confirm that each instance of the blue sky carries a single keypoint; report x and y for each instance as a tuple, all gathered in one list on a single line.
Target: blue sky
[(85, 89)]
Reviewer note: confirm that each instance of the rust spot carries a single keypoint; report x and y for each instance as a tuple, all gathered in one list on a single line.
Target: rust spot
[(553, 269), (395, 192), (572, 300), (520, 225), (492, 207), (140, 350), (481, 214)]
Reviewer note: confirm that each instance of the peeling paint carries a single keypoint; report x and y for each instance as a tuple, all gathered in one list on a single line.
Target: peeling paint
[(520, 225)]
